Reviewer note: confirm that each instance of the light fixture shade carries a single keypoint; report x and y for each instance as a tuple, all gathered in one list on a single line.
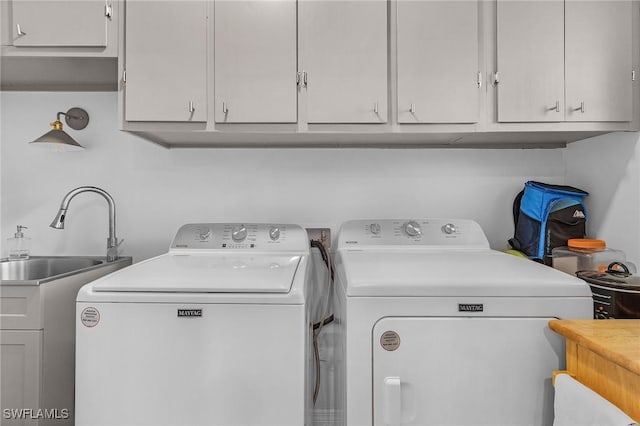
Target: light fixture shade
[(57, 139)]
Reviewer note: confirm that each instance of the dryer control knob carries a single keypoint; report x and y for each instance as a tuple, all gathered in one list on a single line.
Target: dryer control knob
[(449, 228), (274, 233), (239, 233), (374, 228), (412, 229)]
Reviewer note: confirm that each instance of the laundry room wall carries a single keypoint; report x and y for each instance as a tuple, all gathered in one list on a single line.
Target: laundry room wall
[(608, 167), (156, 189)]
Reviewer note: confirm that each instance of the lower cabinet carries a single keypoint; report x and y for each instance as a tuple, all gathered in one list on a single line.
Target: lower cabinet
[(37, 348), (20, 369), (603, 356), (37, 352)]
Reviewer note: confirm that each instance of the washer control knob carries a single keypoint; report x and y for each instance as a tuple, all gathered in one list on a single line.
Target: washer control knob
[(449, 228), (274, 233), (239, 233), (204, 234), (374, 228), (412, 229)]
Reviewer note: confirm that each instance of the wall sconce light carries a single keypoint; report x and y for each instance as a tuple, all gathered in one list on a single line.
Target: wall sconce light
[(58, 139)]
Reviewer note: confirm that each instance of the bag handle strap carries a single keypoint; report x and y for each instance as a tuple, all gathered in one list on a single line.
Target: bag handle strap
[(513, 242)]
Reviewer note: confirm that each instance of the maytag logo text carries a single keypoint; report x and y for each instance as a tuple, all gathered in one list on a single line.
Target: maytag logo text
[(189, 313), (470, 307)]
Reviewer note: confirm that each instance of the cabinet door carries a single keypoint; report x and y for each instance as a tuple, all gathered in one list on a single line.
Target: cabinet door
[(255, 61), (59, 23), (20, 368), (598, 60), (530, 53), (343, 50), (166, 62), (437, 61)]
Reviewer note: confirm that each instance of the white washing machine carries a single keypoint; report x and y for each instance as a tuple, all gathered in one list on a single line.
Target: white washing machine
[(214, 332), (437, 329)]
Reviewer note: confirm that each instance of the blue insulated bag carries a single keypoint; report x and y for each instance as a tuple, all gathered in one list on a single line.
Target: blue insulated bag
[(545, 217)]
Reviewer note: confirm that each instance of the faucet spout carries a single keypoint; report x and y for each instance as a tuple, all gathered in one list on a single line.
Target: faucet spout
[(112, 241), (58, 222)]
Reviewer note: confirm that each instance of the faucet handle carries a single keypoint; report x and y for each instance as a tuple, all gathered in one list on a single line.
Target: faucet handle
[(112, 248)]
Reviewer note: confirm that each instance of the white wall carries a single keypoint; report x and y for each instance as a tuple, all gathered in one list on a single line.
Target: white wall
[(156, 190), (608, 168)]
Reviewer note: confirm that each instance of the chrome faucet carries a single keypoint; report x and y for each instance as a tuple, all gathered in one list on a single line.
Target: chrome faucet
[(112, 241)]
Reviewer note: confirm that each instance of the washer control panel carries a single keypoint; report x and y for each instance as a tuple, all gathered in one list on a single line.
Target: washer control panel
[(240, 236), (412, 232)]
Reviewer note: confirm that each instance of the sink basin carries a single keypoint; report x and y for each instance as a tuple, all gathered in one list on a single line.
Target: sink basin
[(38, 269)]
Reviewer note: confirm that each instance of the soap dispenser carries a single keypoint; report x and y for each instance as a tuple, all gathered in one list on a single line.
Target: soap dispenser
[(19, 245)]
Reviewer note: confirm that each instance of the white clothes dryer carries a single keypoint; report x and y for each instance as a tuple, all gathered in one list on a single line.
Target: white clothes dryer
[(215, 332), (436, 329)]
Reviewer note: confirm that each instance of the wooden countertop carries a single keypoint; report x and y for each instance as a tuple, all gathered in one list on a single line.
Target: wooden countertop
[(616, 340)]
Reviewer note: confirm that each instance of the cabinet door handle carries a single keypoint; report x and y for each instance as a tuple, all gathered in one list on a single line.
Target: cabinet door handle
[(19, 30), (581, 108), (412, 108), (108, 10), (556, 107), (375, 108), (191, 108), (225, 109)]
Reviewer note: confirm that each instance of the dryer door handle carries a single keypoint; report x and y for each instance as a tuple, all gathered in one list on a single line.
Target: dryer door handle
[(392, 401)]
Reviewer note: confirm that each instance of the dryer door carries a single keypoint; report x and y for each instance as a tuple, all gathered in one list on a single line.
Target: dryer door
[(464, 371)]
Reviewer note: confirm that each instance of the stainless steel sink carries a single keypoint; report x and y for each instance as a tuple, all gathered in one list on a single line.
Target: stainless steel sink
[(39, 269)]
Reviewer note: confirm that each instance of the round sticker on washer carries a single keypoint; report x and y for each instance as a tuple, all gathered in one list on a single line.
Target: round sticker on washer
[(90, 317), (390, 341)]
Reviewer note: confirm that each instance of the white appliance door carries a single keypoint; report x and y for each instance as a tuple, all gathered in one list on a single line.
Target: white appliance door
[(464, 371), (211, 364)]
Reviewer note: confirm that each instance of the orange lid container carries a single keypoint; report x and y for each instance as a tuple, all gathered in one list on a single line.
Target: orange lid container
[(586, 243), (584, 254)]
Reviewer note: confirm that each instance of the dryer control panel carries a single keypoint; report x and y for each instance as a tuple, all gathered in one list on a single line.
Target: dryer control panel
[(412, 232), (241, 236)]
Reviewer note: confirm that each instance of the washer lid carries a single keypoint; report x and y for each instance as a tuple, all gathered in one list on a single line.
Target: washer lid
[(193, 273), (453, 273)]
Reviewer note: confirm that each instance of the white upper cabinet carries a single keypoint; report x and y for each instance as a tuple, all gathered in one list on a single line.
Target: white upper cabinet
[(437, 58), (59, 23), (59, 44), (360, 72), (255, 61), (343, 60), (165, 61), (564, 60), (598, 39), (530, 54)]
